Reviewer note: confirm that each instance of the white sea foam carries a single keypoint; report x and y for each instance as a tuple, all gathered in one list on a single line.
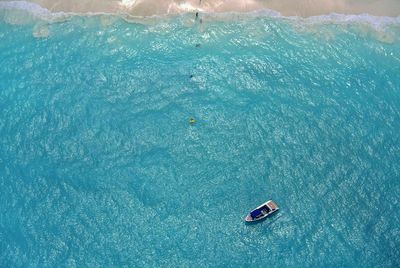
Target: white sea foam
[(30, 10), (354, 18), (23, 5)]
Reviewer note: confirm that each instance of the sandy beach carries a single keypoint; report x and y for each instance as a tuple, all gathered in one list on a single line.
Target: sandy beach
[(303, 8)]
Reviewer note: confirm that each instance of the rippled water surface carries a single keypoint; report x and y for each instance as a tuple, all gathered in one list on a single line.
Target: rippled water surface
[(99, 165)]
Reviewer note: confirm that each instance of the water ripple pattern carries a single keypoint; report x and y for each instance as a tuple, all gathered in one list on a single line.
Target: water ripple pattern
[(99, 166)]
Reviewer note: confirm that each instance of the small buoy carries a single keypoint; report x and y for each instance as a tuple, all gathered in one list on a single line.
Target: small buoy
[(192, 121)]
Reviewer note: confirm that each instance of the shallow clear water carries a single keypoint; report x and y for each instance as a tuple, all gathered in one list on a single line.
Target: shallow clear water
[(99, 165)]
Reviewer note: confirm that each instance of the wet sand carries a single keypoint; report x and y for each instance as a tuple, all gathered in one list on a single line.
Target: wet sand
[(304, 8)]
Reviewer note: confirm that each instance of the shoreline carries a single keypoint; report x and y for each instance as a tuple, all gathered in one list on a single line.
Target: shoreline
[(37, 12)]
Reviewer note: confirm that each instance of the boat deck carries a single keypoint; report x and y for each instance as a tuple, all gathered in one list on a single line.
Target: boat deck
[(272, 205)]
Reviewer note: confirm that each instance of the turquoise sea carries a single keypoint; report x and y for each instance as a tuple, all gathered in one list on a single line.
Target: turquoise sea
[(99, 166)]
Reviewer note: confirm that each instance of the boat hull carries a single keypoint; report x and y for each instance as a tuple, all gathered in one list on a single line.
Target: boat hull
[(270, 204)]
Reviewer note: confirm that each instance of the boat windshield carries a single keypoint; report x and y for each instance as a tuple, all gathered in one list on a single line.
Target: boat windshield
[(266, 209)]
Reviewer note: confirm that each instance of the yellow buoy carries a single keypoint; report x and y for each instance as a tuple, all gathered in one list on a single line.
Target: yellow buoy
[(192, 121)]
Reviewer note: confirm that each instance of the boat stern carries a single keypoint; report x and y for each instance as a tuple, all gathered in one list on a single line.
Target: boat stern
[(272, 205)]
